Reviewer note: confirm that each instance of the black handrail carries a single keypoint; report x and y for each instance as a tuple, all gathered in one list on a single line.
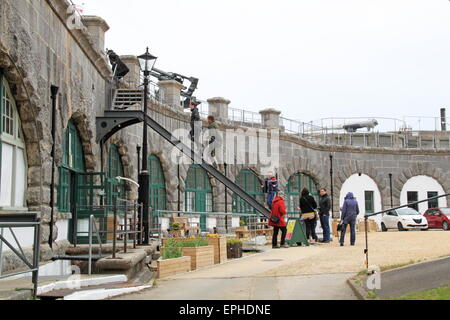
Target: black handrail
[(366, 218)]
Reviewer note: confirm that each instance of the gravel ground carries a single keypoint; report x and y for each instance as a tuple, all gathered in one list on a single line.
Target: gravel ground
[(385, 249)]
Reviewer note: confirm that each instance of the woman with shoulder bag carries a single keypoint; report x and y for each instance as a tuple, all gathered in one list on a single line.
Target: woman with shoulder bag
[(308, 208), (276, 220)]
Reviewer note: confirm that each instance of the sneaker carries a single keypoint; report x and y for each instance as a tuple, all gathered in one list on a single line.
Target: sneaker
[(285, 246), (342, 244), (275, 247)]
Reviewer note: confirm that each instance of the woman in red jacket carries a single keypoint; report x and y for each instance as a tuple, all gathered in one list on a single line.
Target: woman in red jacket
[(277, 221)]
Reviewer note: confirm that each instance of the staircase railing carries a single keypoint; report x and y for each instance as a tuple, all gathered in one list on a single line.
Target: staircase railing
[(93, 228)]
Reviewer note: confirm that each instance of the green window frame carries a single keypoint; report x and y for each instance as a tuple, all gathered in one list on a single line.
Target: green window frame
[(250, 183), (198, 194), (369, 201), (413, 196), (115, 188), (295, 185), (158, 194), (433, 203), (13, 162), (72, 163)]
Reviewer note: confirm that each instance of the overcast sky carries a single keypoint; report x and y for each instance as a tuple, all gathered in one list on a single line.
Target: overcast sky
[(310, 59)]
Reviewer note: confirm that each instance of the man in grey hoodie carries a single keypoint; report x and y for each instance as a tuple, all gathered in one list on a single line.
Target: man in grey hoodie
[(350, 211)]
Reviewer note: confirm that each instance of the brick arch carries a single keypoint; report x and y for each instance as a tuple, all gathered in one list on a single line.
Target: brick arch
[(421, 169), (27, 104), (304, 166), (122, 149), (82, 123), (355, 167)]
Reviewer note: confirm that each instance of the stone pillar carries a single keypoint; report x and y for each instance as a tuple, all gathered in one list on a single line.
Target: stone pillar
[(133, 78), (97, 28), (170, 92), (270, 118), (218, 107)]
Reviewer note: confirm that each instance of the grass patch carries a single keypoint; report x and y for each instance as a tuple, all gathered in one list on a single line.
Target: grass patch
[(442, 293), (372, 295), (399, 265)]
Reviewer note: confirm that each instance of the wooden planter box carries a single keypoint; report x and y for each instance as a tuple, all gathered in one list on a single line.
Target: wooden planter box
[(200, 256), (177, 233), (234, 251), (220, 249), (171, 267)]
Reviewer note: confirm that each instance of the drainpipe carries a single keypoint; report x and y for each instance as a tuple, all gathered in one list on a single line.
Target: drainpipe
[(332, 186), (443, 120), (390, 186), (54, 92)]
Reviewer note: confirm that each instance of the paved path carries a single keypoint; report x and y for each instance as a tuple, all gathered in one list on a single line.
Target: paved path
[(244, 280), (415, 278)]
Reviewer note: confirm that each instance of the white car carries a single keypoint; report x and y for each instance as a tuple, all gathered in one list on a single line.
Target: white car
[(403, 219)]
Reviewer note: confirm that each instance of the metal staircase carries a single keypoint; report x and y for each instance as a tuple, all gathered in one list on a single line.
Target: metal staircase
[(128, 98), (114, 121)]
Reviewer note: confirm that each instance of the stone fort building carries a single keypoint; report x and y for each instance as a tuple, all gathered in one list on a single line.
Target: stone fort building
[(38, 48)]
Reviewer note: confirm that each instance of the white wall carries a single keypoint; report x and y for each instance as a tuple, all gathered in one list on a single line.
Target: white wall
[(25, 236), (422, 184), (358, 185), (63, 229)]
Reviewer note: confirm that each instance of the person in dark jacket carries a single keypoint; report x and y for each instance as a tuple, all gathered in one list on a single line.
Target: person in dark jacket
[(279, 211), (308, 205), (350, 211), (271, 188), (119, 68), (196, 127), (324, 214)]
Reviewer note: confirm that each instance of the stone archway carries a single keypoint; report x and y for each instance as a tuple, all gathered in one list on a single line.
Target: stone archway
[(421, 169), (82, 123), (39, 165), (343, 173)]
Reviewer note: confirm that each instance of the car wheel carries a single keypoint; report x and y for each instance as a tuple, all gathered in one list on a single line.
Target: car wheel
[(400, 227), (424, 229), (383, 227), (445, 225)]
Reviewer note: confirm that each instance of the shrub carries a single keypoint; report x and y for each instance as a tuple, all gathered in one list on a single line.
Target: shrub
[(233, 241), (175, 226), (172, 253)]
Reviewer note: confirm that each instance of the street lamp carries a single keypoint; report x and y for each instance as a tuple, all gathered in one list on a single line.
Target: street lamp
[(147, 61)]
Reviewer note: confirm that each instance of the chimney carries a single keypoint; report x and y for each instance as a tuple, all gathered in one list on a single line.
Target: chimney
[(443, 120), (97, 28)]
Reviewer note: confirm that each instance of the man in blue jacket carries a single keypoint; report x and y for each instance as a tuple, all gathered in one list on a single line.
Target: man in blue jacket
[(271, 188), (350, 211)]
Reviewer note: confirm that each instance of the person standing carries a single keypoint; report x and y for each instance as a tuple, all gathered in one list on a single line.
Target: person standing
[(307, 208), (276, 220), (324, 214), (350, 211), (196, 127), (271, 188)]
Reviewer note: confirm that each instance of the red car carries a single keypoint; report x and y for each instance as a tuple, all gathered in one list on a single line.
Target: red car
[(438, 218)]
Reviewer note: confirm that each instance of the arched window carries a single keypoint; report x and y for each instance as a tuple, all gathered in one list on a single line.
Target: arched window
[(198, 195), (295, 185), (115, 169), (13, 166), (72, 163), (157, 184), (250, 183)]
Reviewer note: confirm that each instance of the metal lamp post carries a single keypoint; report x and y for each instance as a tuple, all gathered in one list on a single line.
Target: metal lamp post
[(148, 60)]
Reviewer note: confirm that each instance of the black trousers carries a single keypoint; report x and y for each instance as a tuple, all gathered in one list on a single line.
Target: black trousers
[(311, 228), (275, 235)]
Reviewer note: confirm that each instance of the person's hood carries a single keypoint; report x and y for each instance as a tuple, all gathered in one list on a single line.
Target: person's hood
[(350, 196), (277, 199)]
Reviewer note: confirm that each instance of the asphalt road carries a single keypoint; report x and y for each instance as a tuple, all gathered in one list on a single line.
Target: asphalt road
[(415, 278)]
